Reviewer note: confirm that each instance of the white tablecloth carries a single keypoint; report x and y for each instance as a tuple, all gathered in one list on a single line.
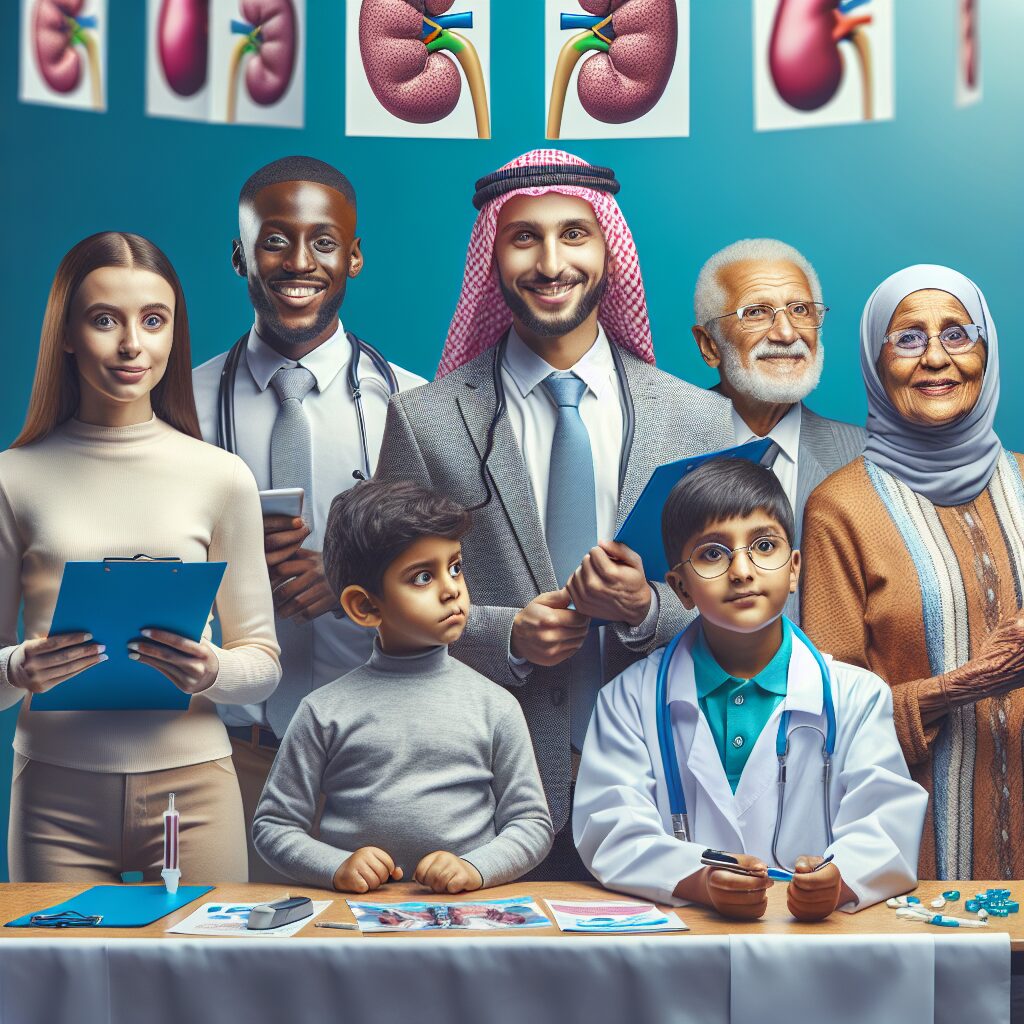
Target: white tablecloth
[(517, 980)]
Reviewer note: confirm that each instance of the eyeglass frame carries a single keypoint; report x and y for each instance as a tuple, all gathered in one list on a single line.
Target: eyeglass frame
[(65, 919), (776, 310), (936, 337), (732, 555)]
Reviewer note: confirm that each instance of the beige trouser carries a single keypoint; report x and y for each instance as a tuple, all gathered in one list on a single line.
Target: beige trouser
[(69, 825)]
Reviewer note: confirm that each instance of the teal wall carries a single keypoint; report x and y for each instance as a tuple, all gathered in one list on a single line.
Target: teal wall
[(936, 184)]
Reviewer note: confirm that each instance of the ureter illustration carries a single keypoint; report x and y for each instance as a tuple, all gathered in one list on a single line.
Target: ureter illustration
[(598, 36), (851, 29), (249, 43), (438, 35), (80, 34)]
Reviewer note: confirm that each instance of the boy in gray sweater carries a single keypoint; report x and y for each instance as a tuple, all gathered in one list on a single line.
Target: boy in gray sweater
[(425, 765)]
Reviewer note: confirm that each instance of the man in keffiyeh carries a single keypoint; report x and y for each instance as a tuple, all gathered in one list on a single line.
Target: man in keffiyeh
[(548, 417)]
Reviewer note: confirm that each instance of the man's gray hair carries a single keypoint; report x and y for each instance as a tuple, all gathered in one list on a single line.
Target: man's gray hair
[(709, 296)]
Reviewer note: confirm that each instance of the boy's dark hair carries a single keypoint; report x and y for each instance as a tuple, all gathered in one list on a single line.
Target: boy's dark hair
[(725, 488), (371, 524)]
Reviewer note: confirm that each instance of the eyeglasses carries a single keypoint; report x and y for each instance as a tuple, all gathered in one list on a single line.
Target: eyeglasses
[(759, 317), (712, 560), (913, 343)]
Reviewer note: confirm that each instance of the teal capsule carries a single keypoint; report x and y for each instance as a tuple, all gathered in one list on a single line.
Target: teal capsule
[(1011, 907), (952, 895), (972, 906), (945, 922), (998, 911), (913, 899)]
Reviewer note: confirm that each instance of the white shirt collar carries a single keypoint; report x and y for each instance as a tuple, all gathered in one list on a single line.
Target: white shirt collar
[(527, 369), (785, 433), (325, 362)]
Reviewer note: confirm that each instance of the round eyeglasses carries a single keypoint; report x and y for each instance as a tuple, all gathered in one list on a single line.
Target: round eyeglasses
[(913, 343), (712, 559), (760, 317)]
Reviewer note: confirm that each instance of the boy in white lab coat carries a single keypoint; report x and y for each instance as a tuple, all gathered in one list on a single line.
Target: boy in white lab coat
[(727, 528)]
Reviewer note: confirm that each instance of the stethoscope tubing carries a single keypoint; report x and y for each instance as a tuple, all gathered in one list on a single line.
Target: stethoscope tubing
[(670, 761), (226, 436)]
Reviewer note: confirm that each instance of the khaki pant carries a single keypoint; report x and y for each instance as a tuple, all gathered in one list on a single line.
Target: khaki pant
[(77, 826)]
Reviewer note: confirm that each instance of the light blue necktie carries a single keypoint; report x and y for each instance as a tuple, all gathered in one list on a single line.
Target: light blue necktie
[(570, 526), (291, 465)]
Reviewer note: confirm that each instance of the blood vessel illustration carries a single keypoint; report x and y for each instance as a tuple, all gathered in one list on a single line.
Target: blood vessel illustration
[(58, 27), (269, 39), (183, 44), (401, 44), (631, 46), (803, 56), (969, 41)]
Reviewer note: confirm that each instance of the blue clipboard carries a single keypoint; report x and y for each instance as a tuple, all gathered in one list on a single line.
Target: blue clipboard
[(642, 529), (121, 906), (113, 600)]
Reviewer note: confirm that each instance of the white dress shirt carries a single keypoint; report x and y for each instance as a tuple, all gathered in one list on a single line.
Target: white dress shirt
[(786, 434), (533, 414), (338, 645)]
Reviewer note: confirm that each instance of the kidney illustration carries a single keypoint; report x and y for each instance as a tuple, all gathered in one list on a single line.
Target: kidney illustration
[(58, 28), (183, 44), (267, 49), (405, 47), (630, 47), (803, 55)]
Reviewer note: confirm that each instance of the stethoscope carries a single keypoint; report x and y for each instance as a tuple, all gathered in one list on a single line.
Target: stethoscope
[(226, 436), (501, 406), (670, 763)]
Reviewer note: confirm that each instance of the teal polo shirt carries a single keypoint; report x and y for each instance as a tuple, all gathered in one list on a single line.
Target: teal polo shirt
[(738, 709)]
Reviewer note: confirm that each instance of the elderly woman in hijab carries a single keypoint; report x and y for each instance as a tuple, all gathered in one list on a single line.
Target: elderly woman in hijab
[(914, 565)]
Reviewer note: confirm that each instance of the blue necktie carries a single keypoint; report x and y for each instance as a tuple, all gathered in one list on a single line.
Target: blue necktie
[(570, 523), (570, 526)]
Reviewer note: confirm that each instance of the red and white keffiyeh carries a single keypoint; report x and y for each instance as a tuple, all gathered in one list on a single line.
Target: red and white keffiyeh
[(482, 316)]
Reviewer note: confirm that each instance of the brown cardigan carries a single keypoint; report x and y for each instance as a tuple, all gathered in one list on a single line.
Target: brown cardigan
[(862, 604)]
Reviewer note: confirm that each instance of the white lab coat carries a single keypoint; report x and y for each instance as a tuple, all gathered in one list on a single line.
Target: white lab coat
[(621, 820)]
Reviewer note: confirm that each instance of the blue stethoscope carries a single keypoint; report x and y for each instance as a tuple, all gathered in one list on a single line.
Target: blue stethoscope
[(670, 762)]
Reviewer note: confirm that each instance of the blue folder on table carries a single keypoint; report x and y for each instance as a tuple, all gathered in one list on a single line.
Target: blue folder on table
[(642, 529), (121, 906), (113, 600)]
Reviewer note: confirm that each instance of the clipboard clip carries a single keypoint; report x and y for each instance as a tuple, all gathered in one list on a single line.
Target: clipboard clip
[(65, 919), (111, 559)]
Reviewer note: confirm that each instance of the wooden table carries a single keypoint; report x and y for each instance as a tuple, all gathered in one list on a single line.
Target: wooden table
[(20, 899)]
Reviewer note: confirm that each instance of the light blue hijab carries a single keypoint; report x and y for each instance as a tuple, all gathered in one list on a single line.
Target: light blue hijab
[(950, 464)]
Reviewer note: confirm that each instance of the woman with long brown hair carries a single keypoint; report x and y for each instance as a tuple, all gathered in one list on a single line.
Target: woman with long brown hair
[(110, 463)]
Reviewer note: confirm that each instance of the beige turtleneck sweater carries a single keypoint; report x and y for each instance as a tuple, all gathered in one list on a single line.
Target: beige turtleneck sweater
[(87, 492)]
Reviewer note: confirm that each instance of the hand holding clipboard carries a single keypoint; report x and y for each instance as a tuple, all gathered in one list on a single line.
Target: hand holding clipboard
[(114, 601)]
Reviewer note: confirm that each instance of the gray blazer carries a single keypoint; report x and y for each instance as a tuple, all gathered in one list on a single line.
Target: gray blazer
[(437, 434)]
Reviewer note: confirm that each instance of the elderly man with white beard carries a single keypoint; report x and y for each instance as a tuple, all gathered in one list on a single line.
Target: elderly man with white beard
[(759, 311)]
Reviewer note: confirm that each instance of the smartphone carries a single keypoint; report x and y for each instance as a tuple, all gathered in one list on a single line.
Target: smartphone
[(283, 501)]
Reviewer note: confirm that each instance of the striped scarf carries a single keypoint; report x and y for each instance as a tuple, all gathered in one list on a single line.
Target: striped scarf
[(944, 605)]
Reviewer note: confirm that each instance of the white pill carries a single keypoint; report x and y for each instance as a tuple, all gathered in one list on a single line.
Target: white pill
[(892, 902), (902, 901), (910, 914), (938, 903), (983, 914)]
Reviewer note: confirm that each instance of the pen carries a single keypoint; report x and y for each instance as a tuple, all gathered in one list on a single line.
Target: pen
[(344, 925)]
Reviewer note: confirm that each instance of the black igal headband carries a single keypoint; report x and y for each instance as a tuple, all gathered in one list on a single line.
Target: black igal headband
[(600, 179)]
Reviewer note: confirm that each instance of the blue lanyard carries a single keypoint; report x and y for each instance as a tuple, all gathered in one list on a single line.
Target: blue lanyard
[(666, 741)]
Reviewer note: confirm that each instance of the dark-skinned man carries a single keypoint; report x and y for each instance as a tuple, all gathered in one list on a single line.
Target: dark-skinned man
[(296, 423)]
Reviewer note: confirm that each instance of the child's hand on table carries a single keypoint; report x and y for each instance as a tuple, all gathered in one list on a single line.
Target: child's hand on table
[(740, 897), (444, 872), (813, 895), (367, 869)]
